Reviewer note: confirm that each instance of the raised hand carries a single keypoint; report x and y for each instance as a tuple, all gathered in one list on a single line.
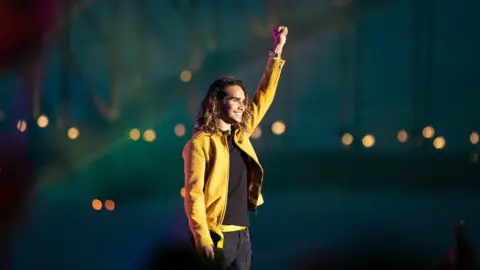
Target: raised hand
[(279, 34)]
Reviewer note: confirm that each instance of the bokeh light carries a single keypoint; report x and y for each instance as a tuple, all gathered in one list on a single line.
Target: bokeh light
[(22, 125), (474, 138), (179, 130), (149, 135), (368, 140), (278, 128), (97, 204), (185, 76), (109, 205), (257, 132), (73, 133), (402, 136), (439, 143), (347, 139), (134, 134), (42, 121), (428, 132)]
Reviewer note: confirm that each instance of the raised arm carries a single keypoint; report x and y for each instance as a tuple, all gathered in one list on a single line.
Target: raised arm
[(265, 93), (194, 202)]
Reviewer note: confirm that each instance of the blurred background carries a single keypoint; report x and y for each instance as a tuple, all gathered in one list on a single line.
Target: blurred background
[(371, 142)]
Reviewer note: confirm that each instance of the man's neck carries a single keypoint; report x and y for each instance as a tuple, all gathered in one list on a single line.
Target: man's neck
[(224, 126)]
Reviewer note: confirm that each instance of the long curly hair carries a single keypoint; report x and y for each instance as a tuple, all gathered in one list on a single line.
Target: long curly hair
[(211, 107)]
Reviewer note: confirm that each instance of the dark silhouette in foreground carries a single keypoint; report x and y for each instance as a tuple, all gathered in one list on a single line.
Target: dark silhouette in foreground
[(462, 256)]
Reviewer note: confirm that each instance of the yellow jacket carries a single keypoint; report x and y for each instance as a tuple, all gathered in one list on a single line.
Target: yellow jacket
[(206, 158)]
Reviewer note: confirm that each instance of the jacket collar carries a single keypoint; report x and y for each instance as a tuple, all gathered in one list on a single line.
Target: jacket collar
[(233, 130)]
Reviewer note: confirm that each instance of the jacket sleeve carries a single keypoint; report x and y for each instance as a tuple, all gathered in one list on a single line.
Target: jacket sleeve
[(194, 201), (265, 93)]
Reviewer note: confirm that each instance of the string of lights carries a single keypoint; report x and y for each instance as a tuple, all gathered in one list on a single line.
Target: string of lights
[(277, 128)]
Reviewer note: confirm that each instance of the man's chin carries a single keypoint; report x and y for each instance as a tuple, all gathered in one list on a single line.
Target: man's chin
[(234, 120)]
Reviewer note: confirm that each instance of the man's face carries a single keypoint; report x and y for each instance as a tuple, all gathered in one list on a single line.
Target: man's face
[(233, 106)]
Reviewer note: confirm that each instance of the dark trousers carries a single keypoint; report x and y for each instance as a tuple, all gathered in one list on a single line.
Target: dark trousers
[(236, 253)]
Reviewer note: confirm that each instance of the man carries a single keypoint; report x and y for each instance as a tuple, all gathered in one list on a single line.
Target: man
[(223, 177)]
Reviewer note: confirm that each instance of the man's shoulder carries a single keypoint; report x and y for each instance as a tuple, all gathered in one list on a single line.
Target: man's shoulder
[(199, 139)]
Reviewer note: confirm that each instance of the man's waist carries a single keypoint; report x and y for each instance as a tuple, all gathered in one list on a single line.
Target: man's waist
[(232, 228)]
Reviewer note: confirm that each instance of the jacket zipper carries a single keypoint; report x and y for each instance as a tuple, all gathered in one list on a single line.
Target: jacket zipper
[(258, 195), (227, 177), (259, 191)]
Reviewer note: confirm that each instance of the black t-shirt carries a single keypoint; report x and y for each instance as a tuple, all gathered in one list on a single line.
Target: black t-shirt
[(237, 202)]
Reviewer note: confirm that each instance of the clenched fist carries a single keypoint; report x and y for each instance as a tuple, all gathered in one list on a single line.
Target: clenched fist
[(279, 34)]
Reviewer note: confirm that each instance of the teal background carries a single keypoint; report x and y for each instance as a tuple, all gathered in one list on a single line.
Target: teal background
[(368, 67)]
